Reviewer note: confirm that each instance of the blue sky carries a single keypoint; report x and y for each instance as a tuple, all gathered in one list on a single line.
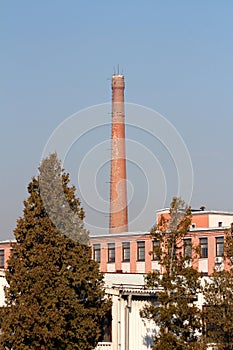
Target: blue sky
[(57, 58)]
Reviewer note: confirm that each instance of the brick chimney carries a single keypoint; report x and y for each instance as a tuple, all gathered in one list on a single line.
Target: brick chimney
[(118, 191)]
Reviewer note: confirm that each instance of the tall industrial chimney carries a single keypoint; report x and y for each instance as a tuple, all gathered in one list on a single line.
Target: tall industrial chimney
[(118, 191)]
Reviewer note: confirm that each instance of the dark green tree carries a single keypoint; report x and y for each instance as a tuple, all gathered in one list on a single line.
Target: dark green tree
[(177, 283), (55, 298), (218, 295)]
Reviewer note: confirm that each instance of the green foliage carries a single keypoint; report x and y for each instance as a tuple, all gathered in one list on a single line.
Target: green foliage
[(218, 295), (175, 311), (55, 298), (228, 246), (219, 310)]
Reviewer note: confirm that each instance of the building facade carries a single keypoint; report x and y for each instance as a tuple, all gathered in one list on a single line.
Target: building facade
[(132, 252), (125, 258)]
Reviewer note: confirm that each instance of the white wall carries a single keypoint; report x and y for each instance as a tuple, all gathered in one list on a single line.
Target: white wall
[(3, 283), (141, 267), (214, 219), (141, 331), (203, 265)]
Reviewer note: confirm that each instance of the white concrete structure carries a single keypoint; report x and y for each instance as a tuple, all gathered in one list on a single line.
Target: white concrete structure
[(129, 295), (3, 283)]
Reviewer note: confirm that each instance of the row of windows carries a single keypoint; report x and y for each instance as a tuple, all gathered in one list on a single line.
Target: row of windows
[(194, 224), (203, 242), (125, 251), (141, 249), (204, 246)]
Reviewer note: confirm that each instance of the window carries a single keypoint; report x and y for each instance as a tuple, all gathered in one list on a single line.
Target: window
[(126, 251), (172, 248), (96, 252), (188, 248), (141, 251), (155, 250), (111, 252), (219, 246), (203, 247), (220, 224), (193, 225), (2, 258)]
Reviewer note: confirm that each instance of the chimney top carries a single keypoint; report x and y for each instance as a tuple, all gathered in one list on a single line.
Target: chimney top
[(118, 81)]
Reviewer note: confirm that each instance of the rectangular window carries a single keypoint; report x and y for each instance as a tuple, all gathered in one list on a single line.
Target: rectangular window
[(111, 252), (126, 251), (141, 250), (188, 248), (219, 246), (155, 250), (96, 252), (172, 248), (2, 258), (203, 247)]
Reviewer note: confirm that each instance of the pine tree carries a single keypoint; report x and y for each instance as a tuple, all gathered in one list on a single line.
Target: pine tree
[(55, 297), (218, 295), (175, 311)]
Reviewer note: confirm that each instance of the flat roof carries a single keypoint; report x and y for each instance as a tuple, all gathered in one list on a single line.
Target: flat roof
[(199, 211), (121, 234)]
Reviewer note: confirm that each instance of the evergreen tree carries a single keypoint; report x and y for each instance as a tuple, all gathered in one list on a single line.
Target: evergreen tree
[(175, 311), (55, 297), (218, 295)]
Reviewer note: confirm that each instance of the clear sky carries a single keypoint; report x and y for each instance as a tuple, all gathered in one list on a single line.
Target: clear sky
[(57, 58)]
